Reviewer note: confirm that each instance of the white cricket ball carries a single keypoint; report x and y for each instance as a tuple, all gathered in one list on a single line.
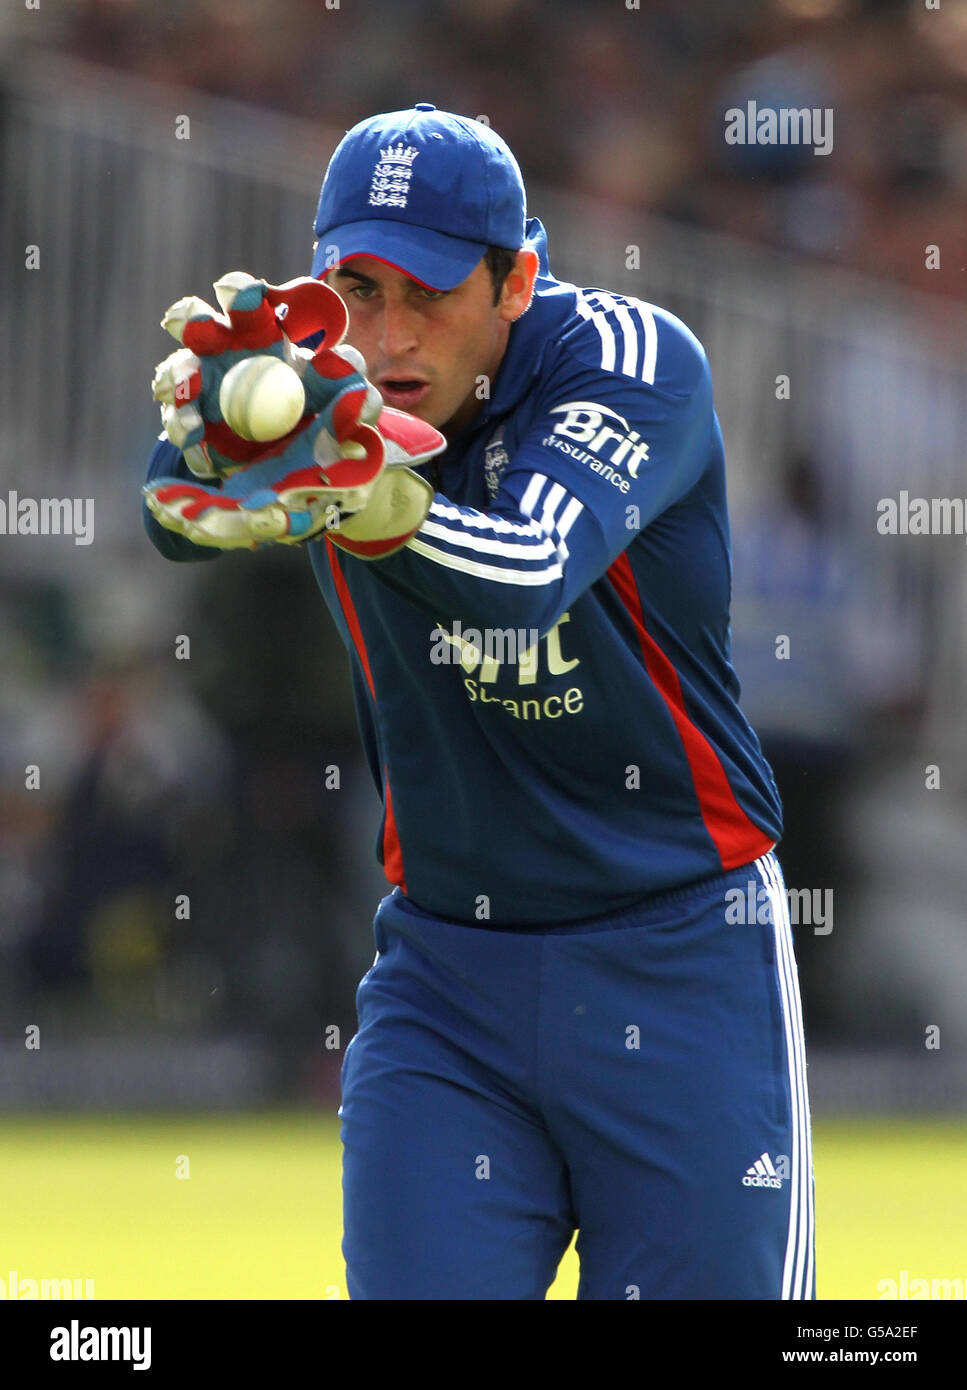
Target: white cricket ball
[(262, 398)]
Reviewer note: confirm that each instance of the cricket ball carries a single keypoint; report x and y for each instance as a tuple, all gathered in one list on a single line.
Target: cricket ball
[(261, 398)]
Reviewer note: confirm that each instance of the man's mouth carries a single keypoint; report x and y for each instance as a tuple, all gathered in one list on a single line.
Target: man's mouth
[(402, 392)]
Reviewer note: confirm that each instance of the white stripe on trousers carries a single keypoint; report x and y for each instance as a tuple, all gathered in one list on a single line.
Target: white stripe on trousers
[(797, 1274)]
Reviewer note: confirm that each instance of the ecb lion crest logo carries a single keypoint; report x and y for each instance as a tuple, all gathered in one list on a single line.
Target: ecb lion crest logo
[(495, 461)]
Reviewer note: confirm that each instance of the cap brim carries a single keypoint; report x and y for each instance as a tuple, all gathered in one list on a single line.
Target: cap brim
[(435, 260)]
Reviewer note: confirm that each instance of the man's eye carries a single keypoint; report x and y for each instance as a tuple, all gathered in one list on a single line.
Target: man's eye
[(431, 294), (362, 291)]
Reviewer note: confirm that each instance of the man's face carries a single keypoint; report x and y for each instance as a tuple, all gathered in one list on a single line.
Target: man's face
[(426, 350)]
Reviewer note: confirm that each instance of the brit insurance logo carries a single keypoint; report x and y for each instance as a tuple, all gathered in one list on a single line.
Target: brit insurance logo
[(609, 443), (391, 176)]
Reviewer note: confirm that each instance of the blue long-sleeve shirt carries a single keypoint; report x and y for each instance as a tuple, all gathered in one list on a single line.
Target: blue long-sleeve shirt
[(542, 675)]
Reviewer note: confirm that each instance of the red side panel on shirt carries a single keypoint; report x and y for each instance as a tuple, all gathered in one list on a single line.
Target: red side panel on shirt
[(737, 839), (392, 852)]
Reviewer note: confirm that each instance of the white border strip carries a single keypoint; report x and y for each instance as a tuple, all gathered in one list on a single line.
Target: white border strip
[(797, 1276)]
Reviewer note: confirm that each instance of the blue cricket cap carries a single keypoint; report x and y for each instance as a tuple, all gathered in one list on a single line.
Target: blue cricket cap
[(424, 190)]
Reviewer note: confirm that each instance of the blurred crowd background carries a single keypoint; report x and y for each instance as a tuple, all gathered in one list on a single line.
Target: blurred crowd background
[(622, 104), (206, 778)]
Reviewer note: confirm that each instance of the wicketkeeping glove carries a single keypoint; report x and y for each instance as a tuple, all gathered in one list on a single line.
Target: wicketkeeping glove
[(342, 469)]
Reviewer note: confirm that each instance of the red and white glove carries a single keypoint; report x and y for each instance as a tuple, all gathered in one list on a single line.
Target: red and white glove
[(342, 469)]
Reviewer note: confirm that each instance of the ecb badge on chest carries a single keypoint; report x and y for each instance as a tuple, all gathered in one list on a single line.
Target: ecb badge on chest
[(495, 461)]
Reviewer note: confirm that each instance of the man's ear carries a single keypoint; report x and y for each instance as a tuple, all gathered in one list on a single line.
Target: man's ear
[(518, 289)]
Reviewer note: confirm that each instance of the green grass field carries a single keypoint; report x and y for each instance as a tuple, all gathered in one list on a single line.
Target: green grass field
[(259, 1215)]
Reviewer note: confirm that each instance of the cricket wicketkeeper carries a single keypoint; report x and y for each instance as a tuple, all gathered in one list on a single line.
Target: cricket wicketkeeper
[(566, 1027)]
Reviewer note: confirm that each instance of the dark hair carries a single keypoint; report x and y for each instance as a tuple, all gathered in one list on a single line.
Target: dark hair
[(500, 262)]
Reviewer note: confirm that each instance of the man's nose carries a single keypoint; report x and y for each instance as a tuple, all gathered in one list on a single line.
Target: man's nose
[(398, 333)]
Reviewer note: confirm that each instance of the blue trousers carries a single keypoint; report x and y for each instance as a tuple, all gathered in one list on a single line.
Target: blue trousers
[(639, 1079)]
